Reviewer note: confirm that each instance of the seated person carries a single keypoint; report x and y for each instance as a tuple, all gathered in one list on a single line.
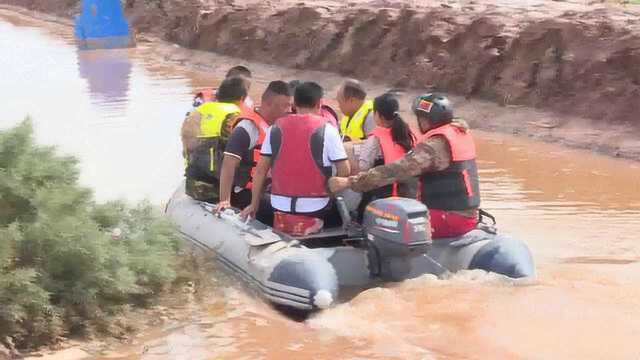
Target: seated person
[(358, 120), (389, 141), (242, 151), (326, 111), (203, 137), (445, 161), (300, 150)]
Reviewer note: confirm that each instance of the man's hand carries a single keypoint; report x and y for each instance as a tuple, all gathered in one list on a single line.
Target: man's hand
[(337, 184), (249, 212), (222, 205)]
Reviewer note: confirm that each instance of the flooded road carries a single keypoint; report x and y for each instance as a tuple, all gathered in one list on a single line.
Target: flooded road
[(120, 113)]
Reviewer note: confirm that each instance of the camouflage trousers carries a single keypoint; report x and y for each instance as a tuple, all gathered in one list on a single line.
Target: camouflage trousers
[(202, 191)]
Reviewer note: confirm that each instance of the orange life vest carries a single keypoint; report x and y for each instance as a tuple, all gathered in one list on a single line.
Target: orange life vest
[(391, 151), (244, 176), (456, 187)]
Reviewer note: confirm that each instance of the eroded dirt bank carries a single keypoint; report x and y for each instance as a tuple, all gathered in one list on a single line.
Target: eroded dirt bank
[(574, 59)]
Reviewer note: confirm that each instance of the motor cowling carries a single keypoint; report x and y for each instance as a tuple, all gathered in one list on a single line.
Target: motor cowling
[(396, 229)]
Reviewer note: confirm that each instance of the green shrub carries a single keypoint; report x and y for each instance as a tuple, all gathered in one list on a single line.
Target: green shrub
[(61, 270)]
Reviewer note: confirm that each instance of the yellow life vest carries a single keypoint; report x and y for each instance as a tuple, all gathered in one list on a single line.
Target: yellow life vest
[(212, 117), (353, 127)]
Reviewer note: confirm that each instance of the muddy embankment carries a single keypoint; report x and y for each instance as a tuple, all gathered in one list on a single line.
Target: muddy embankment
[(573, 65)]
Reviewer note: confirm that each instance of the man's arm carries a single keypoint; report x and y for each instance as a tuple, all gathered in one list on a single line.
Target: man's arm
[(342, 168), (369, 124), (240, 143), (368, 152), (335, 151), (229, 165), (190, 131), (264, 164), (259, 179), (432, 155)]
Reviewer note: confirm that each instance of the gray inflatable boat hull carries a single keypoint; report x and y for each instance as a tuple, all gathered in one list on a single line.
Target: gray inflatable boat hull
[(288, 273)]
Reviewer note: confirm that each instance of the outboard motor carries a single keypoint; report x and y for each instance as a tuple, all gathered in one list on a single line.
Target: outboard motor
[(396, 230)]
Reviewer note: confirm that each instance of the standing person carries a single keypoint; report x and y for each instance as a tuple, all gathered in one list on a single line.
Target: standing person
[(242, 152), (300, 150), (358, 111), (204, 133), (388, 142), (445, 162)]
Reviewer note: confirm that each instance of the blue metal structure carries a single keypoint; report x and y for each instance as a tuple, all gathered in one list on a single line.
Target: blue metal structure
[(102, 25)]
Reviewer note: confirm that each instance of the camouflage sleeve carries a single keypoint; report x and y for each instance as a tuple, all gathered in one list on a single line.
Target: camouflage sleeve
[(190, 131), (227, 126), (430, 155)]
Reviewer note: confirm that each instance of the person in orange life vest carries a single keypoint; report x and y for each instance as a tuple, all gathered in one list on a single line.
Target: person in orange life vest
[(358, 120), (242, 151), (301, 150), (444, 161), (389, 141), (209, 94), (326, 111)]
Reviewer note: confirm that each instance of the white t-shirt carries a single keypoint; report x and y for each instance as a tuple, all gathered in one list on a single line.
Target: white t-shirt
[(332, 151)]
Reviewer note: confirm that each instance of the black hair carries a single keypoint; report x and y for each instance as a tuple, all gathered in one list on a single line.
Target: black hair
[(274, 88), (239, 71), (232, 90), (388, 107), (308, 95), (293, 84), (353, 89)]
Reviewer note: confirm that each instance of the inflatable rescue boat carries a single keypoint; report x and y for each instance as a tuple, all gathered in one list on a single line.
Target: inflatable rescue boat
[(308, 273)]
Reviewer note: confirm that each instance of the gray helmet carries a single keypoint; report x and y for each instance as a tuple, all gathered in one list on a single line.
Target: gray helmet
[(436, 107)]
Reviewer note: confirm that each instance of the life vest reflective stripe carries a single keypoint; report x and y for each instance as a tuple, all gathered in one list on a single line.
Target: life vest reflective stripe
[(457, 187), (297, 170), (242, 179), (353, 127), (391, 151), (212, 117)]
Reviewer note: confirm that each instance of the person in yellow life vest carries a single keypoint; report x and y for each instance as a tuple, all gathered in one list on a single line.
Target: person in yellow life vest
[(204, 134), (444, 160), (242, 151), (358, 120), (389, 141)]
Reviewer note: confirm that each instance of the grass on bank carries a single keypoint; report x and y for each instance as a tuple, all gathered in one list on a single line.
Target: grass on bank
[(61, 271)]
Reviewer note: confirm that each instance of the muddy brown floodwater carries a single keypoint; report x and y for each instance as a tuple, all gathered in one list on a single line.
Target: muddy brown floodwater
[(120, 111)]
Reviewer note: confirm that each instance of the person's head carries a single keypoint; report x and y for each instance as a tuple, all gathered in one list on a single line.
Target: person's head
[(351, 96), (432, 111), (276, 101), (386, 112), (241, 72), (232, 90), (293, 84), (308, 96)]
